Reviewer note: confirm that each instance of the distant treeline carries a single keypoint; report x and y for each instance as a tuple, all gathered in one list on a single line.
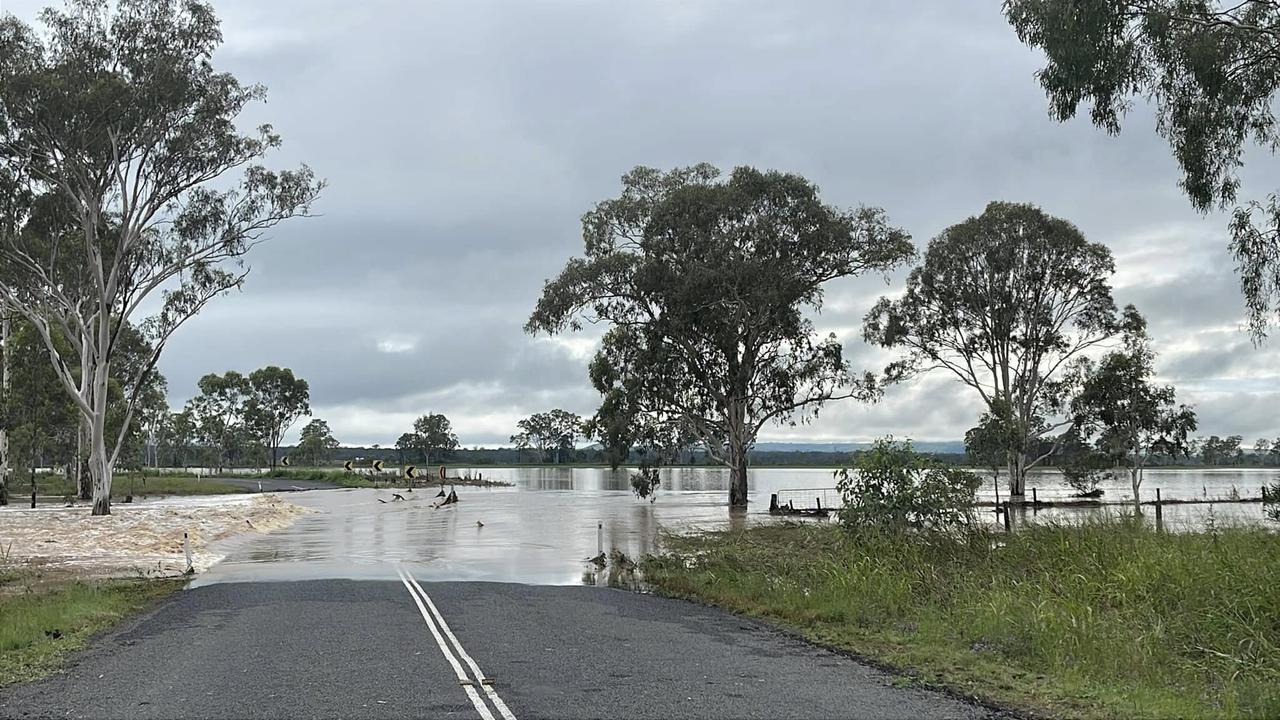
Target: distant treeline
[(501, 456)]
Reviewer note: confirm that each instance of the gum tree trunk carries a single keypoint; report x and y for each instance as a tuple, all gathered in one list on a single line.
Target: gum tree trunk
[(99, 458), (84, 484), (1017, 476), (6, 329), (737, 455)]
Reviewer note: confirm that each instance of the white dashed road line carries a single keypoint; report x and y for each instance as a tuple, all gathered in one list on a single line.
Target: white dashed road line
[(435, 621)]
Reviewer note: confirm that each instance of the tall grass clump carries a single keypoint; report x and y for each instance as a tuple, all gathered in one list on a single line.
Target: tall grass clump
[(1102, 618)]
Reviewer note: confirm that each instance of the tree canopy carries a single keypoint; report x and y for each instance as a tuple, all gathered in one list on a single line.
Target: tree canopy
[(316, 443), (432, 436), (553, 433), (1130, 417), (1004, 301), (276, 401), (117, 139), (706, 284), (1212, 70)]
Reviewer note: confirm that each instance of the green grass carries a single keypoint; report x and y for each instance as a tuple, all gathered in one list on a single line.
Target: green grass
[(122, 484), (76, 610), (1108, 619)]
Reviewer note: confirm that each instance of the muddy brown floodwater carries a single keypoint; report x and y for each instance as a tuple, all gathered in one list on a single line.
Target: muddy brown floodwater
[(544, 528)]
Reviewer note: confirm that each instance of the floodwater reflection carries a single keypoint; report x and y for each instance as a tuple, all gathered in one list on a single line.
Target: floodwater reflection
[(545, 528)]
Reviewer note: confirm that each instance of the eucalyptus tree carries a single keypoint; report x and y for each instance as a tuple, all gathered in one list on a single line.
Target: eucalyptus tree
[(115, 110), (549, 433), (316, 443), (276, 401), (706, 285), (35, 413), (176, 435), (219, 414), (433, 435), (1132, 417), (1212, 70), (1005, 301)]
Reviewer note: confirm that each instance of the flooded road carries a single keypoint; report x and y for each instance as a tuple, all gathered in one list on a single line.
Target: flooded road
[(544, 528)]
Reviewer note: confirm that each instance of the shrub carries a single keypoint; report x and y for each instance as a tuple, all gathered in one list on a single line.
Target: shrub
[(893, 488), (1082, 473)]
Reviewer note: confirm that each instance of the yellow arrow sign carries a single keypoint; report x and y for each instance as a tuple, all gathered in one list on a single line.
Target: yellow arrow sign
[(410, 472), (377, 466), (347, 466), (285, 461)]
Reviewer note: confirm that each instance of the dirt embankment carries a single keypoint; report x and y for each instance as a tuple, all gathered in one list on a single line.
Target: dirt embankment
[(138, 539)]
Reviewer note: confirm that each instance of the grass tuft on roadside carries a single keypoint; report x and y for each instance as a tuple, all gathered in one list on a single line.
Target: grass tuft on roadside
[(1104, 619), (41, 623)]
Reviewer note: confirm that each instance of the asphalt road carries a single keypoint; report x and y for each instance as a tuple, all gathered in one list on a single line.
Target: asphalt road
[(338, 648)]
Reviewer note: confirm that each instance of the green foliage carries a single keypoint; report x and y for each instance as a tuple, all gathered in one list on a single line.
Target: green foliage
[(892, 488), (122, 137), (432, 437), (1083, 467), (1216, 450), (1212, 70), (707, 285), (36, 412), (553, 434), (1131, 417), (988, 444), (218, 412), (646, 480), (316, 443), (276, 401), (1004, 301), (1105, 619)]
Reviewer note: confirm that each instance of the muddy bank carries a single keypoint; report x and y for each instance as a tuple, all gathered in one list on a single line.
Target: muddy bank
[(139, 539)]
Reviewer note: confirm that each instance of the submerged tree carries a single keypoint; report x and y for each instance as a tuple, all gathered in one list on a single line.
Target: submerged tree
[(1132, 417), (550, 433), (116, 114), (987, 444), (1004, 301), (706, 285), (1212, 70)]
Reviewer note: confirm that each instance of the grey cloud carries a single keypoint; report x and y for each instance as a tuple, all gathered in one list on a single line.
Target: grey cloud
[(463, 140)]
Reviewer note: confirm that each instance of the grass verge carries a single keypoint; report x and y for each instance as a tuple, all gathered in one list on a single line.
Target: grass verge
[(1108, 619), (125, 483), (42, 622)]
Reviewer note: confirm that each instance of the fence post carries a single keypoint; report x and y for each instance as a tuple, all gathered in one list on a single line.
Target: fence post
[(599, 538), (1005, 508), (1159, 512), (1034, 500)]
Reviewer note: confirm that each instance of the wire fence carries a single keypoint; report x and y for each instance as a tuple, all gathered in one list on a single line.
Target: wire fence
[(810, 499)]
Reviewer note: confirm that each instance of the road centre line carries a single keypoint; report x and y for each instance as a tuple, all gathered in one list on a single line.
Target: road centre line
[(485, 682), (463, 680)]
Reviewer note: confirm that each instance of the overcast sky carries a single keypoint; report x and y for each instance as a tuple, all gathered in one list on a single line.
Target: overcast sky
[(463, 139)]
